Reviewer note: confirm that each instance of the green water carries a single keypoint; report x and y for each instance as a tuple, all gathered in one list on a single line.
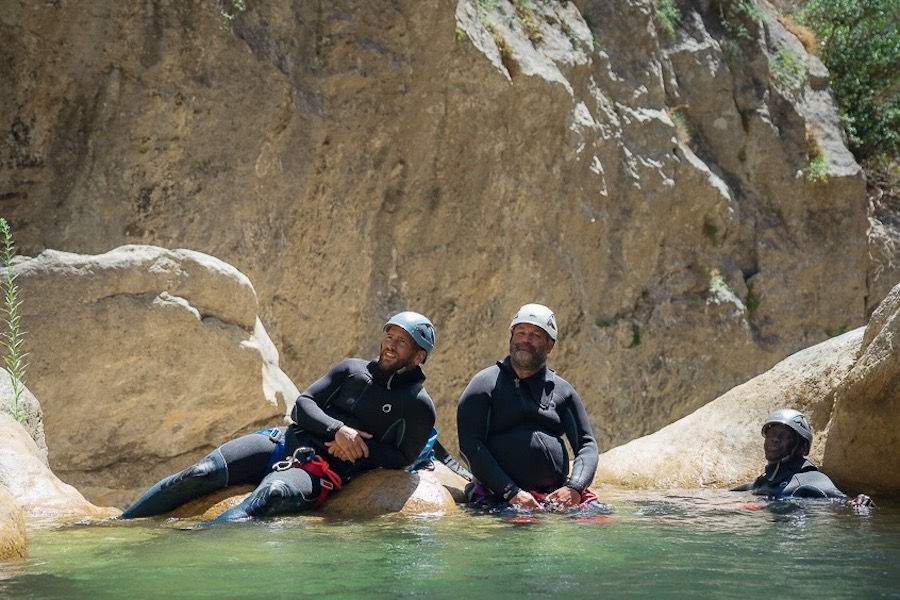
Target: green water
[(688, 544)]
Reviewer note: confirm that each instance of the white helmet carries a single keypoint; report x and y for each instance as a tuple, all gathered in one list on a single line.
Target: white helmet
[(539, 315)]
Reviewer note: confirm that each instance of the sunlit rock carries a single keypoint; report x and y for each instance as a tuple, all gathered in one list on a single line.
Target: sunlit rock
[(144, 359), (720, 444), (862, 450), (385, 491), (41, 496), (13, 540), (847, 386), (436, 155), (378, 492), (25, 408)]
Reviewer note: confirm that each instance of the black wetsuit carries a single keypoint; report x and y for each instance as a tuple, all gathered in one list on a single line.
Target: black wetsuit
[(795, 477), (511, 432), (393, 407)]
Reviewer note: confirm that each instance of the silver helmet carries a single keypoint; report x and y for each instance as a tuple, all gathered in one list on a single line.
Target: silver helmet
[(794, 419)]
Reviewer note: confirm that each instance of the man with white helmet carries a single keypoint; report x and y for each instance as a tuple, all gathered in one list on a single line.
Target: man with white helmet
[(512, 419), (788, 438), (361, 415)]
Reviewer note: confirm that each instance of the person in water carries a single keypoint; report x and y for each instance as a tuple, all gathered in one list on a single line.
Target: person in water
[(511, 421), (358, 417), (788, 438)]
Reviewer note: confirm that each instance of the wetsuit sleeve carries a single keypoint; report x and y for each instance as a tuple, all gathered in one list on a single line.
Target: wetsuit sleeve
[(308, 410), (419, 421), (745, 487), (581, 438), (473, 416), (813, 484)]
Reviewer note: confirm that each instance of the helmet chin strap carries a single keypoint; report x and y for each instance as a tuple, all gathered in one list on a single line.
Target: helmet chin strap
[(778, 464)]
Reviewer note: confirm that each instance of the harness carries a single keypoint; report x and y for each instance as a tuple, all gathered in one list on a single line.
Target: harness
[(306, 458), (277, 435), (423, 461)]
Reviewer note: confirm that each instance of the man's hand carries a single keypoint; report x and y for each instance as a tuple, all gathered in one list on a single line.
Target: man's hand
[(349, 444), (525, 501), (562, 499), (862, 500)]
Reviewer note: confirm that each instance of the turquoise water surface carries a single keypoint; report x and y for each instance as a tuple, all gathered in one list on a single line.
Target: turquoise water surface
[(685, 544)]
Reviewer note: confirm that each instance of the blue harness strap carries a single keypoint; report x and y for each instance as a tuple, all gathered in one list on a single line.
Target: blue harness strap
[(427, 453), (276, 434)]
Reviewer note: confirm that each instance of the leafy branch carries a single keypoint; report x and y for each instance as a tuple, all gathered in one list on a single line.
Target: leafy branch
[(12, 338)]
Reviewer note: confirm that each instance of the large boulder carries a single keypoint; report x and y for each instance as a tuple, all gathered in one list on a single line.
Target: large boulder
[(375, 493), (144, 359), (849, 387), (720, 444), (864, 437)]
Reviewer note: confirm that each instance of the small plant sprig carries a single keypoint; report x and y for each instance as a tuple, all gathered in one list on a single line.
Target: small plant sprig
[(817, 169), (13, 337), (229, 10), (667, 15)]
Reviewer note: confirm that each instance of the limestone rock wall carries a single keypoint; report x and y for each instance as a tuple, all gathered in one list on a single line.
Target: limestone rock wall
[(456, 157)]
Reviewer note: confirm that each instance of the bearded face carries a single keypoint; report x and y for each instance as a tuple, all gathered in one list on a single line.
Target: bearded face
[(398, 350), (529, 346)]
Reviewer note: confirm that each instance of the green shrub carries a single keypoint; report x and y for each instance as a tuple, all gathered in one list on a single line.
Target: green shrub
[(739, 18), (817, 169), (667, 15), (788, 69), (12, 338), (859, 42)]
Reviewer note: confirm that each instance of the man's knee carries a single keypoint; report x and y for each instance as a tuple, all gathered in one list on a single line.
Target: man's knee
[(277, 496), (209, 469)]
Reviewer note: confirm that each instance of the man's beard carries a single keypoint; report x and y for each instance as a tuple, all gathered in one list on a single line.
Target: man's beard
[(526, 358), (398, 364)]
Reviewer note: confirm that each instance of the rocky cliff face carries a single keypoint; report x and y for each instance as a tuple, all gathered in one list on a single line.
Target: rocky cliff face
[(683, 200)]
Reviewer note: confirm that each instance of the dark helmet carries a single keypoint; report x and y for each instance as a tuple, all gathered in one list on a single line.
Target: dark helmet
[(794, 419), (416, 325)]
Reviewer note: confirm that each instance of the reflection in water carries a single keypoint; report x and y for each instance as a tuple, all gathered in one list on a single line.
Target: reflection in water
[(690, 543)]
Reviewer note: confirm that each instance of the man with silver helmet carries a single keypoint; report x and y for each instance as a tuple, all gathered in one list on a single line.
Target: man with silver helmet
[(788, 438), (361, 415), (513, 420)]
